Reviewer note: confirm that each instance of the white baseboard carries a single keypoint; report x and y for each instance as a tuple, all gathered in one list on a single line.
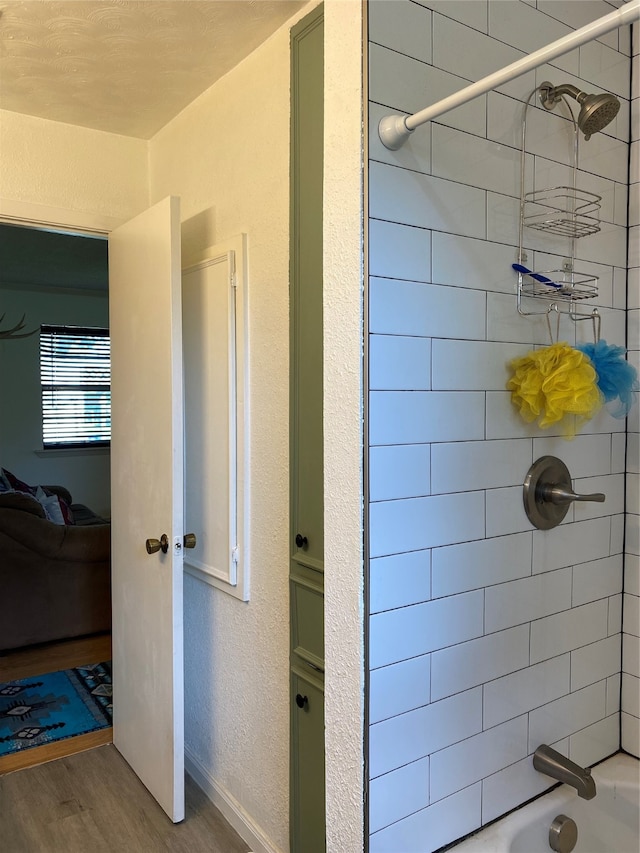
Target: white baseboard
[(242, 822)]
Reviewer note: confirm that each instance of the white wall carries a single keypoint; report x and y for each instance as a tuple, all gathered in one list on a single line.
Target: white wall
[(53, 172), (487, 637), (227, 156), (84, 473), (631, 616), (343, 436), (50, 164)]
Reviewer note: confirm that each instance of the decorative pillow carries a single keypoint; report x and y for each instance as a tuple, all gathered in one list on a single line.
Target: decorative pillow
[(67, 512), (53, 507), (22, 501), (16, 484), (37, 500)]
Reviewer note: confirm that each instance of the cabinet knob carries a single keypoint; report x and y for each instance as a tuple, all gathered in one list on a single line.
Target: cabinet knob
[(301, 700), (301, 541)]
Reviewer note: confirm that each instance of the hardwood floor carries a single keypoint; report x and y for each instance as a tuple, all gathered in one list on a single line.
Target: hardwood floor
[(52, 658), (93, 802), (78, 798)]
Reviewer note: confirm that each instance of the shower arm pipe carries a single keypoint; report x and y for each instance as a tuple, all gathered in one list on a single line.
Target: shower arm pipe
[(394, 130)]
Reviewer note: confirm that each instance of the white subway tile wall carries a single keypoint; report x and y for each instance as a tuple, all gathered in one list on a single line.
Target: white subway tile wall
[(479, 661), (595, 662), (631, 619), (521, 692), (603, 737), (398, 794), (389, 693), (468, 761), (440, 823), (396, 635), (614, 619), (567, 715), (509, 788), (487, 637), (408, 737), (400, 580), (613, 694)]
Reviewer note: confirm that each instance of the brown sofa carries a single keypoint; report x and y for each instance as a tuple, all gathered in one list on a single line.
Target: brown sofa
[(55, 579)]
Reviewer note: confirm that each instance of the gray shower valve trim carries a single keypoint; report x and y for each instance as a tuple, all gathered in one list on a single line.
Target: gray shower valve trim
[(548, 494)]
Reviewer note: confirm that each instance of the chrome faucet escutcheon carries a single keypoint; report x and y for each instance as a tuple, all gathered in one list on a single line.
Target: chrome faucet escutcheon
[(547, 760)]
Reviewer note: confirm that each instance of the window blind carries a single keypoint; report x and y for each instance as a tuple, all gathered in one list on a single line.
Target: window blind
[(75, 372)]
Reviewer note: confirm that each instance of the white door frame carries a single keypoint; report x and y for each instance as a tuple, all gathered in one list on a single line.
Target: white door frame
[(49, 218)]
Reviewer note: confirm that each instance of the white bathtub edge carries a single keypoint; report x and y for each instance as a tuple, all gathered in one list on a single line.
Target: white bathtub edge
[(621, 768)]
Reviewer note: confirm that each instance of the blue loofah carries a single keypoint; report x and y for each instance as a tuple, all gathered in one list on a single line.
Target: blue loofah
[(617, 379)]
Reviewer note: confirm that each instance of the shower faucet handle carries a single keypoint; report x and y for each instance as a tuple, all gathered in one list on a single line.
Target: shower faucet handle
[(562, 495), (547, 493)]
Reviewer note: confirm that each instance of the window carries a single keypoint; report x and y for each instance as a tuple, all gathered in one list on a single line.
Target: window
[(75, 372)]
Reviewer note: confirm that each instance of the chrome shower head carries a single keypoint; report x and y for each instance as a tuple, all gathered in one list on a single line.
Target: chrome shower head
[(596, 111)]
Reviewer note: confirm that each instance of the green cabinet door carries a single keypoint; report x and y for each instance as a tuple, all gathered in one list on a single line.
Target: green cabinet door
[(307, 498), (307, 764), (306, 439)]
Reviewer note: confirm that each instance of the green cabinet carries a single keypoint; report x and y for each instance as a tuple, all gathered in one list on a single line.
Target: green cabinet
[(307, 617), (307, 731), (306, 454)]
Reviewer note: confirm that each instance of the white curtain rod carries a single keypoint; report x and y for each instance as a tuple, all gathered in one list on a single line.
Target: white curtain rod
[(394, 130)]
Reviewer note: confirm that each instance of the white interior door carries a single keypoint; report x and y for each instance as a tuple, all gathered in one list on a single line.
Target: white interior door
[(147, 499)]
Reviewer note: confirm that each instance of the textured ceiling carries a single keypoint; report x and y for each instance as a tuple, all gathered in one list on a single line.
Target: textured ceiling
[(125, 66)]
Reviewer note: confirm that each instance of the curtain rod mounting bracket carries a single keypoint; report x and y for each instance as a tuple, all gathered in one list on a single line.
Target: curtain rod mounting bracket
[(393, 131)]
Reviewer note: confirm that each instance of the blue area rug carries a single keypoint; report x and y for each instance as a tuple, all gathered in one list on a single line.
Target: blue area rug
[(35, 711)]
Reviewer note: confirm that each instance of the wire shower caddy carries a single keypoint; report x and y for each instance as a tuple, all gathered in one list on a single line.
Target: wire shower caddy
[(564, 211)]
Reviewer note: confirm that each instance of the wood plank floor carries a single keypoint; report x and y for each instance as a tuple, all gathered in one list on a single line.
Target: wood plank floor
[(94, 803), (52, 658), (79, 801)]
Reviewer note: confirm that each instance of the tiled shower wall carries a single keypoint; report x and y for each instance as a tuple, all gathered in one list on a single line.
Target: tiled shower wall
[(631, 623), (487, 637)]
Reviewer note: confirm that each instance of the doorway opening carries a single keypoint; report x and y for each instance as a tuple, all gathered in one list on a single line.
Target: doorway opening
[(48, 277)]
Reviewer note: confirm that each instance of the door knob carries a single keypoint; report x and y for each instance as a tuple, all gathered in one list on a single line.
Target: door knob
[(547, 493), (301, 541), (301, 700), (189, 540), (161, 544)]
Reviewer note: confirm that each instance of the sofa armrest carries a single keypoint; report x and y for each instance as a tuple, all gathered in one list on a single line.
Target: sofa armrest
[(22, 502), (57, 541)]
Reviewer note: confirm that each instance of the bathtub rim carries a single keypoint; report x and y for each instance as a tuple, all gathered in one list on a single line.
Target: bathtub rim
[(621, 768)]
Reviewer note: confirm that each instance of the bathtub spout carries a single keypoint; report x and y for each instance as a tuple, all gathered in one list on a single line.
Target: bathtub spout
[(547, 760)]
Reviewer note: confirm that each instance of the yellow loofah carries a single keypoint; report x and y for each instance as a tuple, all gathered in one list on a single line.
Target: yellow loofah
[(553, 383)]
